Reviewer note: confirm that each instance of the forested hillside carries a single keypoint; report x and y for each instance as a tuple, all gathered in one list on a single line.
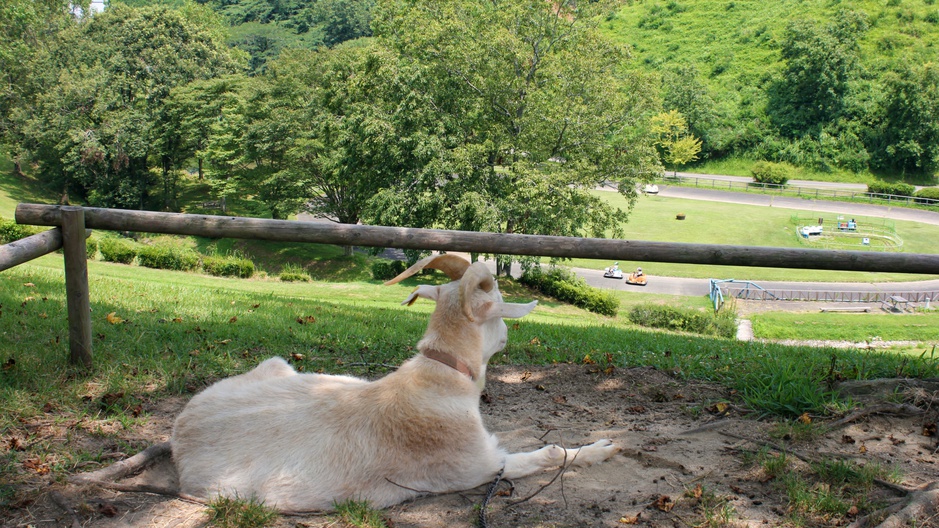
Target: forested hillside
[(852, 84), (498, 116)]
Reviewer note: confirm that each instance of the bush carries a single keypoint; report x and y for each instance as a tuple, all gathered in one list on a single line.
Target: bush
[(161, 257), (294, 273), (91, 247), (383, 270), (769, 172), (721, 324), (118, 250), (228, 266), (928, 193), (896, 189), (10, 231), (567, 287)]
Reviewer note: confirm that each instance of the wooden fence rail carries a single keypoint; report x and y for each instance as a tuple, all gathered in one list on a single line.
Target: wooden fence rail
[(74, 221), (493, 243), (26, 249)]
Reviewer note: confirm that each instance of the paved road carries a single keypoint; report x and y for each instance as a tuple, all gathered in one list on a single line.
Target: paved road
[(769, 200), (686, 286), (792, 183)]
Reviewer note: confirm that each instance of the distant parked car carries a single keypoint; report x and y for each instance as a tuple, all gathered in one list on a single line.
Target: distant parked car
[(651, 189)]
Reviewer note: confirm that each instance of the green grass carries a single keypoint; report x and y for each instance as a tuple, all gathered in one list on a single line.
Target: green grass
[(653, 219), (859, 327), (18, 189)]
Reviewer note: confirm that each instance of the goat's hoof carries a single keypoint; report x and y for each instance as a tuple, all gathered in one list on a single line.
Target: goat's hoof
[(597, 452)]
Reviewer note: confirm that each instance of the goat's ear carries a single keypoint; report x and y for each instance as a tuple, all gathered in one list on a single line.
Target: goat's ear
[(452, 265), (425, 291), (491, 310), (477, 277)]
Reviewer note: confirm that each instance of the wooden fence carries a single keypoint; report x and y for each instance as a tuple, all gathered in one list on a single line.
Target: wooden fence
[(74, 220)]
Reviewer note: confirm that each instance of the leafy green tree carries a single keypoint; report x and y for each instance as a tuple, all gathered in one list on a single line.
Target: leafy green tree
[(27, 28), (95, 129), (909, 138), (677, 145), (538, 110), (364, 126), (820, 62)]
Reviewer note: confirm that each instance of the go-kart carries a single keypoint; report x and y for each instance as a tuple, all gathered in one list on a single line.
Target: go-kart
[(613, 273), (637, 280)]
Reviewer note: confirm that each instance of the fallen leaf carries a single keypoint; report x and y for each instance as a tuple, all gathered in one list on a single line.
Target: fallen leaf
[(48, 408), (305, 320), (697, 492), (862, 449), (255, 306), (805, 418), (35, 465), (534, 341), (719, 408), (233, 319), (15, 444), (630, 519), (929, 429), (852, 511), (664, 503), (588, 360), (845, 439), (559, 399), (29, 285), (113, 318), (111, 398), (177, 319), (43, 315), (296, 357)]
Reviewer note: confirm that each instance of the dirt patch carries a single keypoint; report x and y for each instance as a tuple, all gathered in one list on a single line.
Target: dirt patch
[(682, 460)]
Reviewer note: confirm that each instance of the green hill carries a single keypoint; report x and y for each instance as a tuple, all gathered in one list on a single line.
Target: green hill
[(723, 66)]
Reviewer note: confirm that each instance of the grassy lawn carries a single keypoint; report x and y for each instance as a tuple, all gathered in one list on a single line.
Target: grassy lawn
[(653, 219), (919, 326)]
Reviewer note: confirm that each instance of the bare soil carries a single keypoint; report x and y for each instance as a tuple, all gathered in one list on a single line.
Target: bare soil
[(685, 458)]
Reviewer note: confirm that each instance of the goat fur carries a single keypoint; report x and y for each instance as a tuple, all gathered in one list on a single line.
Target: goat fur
[(310, 441)]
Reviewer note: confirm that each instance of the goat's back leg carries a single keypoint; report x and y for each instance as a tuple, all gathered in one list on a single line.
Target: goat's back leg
[(519, 465)]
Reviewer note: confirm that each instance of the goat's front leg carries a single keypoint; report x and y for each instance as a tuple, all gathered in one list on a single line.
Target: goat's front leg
[(519, 465)]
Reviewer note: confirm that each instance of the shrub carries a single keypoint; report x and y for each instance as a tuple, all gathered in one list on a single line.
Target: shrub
[(896, 189), (228, 266), (927, 193), (567, 287), (118, 250), (294, 273), (383, 270), (91, 247), (769, 172), (721, 324), (10, 231), (161, 257)]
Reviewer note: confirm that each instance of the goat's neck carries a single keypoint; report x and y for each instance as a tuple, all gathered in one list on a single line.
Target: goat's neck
[(466, 350)]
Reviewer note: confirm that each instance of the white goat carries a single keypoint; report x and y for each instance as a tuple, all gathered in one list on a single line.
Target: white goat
[(309, 441)]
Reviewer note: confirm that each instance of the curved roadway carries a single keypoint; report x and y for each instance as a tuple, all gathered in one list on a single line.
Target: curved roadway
[(687, 286)]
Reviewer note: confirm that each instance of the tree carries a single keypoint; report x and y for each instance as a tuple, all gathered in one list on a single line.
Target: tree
[(27, 28), (819, 65), (363, 127), (677, 145), (95, 128), (538, 111), (909, 138)]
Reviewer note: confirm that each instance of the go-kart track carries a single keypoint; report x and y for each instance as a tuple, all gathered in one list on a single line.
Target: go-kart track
[(692, 287)]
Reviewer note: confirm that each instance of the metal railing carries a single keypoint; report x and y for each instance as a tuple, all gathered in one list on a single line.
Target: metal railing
[(798, 191)]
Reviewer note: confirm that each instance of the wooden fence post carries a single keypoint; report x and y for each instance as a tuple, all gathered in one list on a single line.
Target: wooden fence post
[(76, 286)]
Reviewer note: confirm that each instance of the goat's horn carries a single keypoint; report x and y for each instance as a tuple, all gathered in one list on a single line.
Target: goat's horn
[(477, 277), (452, 265)]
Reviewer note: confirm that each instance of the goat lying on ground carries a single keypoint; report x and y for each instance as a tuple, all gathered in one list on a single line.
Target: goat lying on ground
[(308, 441)]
